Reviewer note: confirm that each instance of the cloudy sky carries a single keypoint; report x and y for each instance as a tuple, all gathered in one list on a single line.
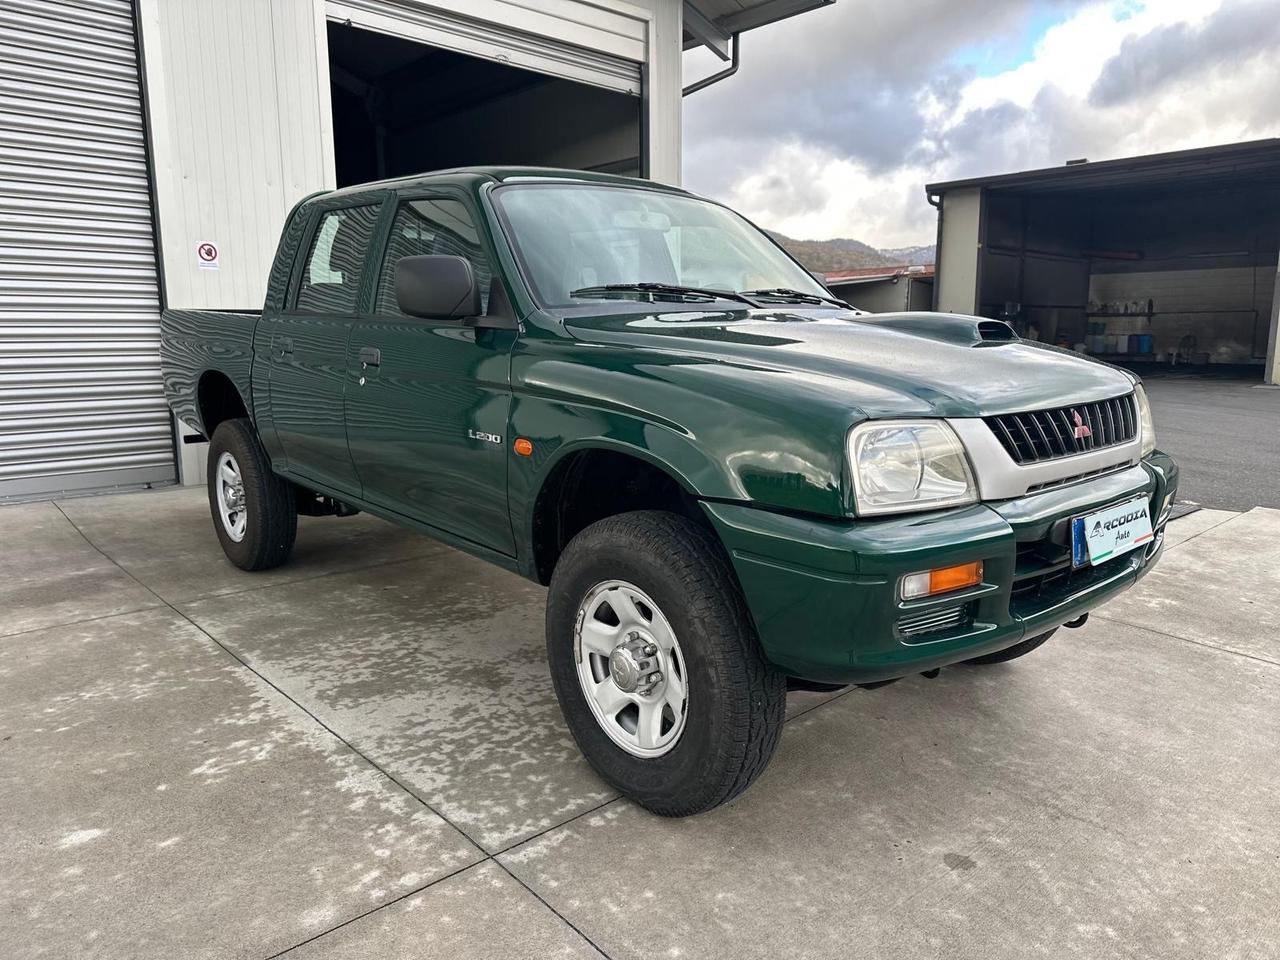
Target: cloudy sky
[(838, 117)]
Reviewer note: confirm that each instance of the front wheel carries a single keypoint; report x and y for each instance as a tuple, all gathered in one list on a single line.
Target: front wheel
[(657, 666), (1014, 652), (254, 513)]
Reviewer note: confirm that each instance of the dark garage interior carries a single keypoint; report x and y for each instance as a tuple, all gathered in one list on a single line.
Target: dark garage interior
[(402, 107), (1162, 260)]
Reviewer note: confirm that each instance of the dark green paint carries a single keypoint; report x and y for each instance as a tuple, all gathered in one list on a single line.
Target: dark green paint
[(747, 409)]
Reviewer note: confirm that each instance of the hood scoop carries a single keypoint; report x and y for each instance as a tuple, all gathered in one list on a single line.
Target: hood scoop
[(946, 327)]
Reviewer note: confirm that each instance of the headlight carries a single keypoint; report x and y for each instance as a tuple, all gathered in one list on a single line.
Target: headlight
[(904, 465), (1145, 423)]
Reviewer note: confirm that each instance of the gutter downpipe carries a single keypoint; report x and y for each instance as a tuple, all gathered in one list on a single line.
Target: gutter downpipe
[(935, 201), (716, 77)]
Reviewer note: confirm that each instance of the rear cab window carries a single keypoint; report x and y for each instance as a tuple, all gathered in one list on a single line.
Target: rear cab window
[(335, 258)]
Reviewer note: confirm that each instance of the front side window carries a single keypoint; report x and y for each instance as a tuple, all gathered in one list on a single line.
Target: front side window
[(572, 237), (331, 279), (431, 226)]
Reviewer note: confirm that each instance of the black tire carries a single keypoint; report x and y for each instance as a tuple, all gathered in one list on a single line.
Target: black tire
[(270, 513), (1014, 652), (736, 700)]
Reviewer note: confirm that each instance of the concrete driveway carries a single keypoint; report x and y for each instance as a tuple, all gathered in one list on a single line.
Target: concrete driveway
[(360, 755)]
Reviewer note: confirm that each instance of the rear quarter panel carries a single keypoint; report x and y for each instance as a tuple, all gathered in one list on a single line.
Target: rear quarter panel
[(194, 342)]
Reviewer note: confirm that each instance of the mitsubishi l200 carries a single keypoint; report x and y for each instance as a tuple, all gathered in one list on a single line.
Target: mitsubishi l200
[(729, 480)]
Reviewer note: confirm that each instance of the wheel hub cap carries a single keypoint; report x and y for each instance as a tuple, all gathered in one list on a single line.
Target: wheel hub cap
[(634, 665)]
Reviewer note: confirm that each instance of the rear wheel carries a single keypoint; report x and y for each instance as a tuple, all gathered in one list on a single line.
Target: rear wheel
[(1014, 652), (656, 663), (254, 513)]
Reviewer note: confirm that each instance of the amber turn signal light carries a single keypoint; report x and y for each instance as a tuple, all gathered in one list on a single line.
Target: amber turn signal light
[(941, 580), (523, 447)]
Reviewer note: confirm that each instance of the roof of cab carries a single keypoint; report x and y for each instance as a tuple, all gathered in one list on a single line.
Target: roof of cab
[(497, 174)]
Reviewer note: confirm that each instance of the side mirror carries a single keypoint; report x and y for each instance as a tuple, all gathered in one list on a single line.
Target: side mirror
[(437, 287)]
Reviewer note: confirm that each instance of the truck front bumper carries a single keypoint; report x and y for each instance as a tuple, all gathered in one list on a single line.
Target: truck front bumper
[(825, 594)]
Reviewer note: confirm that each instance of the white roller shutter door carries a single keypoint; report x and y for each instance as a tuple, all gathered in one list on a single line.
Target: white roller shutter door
[(81, 401), (569, 39)]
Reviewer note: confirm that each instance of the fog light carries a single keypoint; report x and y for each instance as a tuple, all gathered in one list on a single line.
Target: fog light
[(941, 580)]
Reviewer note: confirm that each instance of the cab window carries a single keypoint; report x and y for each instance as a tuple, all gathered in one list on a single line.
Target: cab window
[(331, 277), (433, 225)]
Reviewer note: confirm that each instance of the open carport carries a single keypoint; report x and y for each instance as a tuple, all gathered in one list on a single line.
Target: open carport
[(1157, 261), (360, 754)]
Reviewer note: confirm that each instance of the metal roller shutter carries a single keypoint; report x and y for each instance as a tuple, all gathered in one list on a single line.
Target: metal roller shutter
[(81, 400), (587, 44)]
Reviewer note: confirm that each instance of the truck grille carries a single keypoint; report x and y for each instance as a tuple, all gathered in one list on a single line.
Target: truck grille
[(1065, 431)]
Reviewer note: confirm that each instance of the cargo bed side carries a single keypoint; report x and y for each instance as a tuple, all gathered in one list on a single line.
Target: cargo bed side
[(203, 351)]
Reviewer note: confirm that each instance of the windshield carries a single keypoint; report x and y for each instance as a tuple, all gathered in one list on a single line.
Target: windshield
[(573, 237)]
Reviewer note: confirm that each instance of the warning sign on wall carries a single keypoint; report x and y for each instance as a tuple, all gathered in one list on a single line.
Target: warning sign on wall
[(207, 255)]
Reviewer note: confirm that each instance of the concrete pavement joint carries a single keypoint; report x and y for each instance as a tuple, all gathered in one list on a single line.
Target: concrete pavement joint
[(556, 826), (373, 910), (76, 623), (569, 923), (839, 696), (1201, 533), (1198, 643), (309, 579)]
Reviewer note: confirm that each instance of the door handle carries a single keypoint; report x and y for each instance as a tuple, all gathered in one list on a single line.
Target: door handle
[(283, 345), (370, 357)]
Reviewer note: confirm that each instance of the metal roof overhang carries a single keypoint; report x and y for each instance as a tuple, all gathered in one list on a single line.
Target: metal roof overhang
[(713, 23), (1203, 166)]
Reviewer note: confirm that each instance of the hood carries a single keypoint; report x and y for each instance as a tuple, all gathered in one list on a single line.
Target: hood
[(906, 364)]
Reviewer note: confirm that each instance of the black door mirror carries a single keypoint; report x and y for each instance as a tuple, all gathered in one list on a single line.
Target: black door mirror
[(437, 287)]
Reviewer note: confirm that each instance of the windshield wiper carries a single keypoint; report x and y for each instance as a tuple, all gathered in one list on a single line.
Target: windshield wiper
[(668, 289), (786, 293)]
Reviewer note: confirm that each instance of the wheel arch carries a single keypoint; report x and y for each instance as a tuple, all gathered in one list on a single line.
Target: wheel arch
[(218, 399), (593, 478)]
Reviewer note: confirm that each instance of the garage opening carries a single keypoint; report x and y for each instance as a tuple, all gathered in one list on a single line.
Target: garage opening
[(402, 107), (1171, 268)]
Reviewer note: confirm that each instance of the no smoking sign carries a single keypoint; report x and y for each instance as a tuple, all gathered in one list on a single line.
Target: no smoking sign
[(207, 255)]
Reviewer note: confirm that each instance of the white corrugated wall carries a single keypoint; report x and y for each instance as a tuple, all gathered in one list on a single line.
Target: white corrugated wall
[(241, 118), (241, 130), (81, 404)]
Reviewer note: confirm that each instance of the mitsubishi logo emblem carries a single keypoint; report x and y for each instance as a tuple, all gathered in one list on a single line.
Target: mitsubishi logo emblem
[(1082, 431)]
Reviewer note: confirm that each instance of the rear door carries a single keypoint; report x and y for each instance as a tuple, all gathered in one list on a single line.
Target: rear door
[(308, 344), (427, 410)]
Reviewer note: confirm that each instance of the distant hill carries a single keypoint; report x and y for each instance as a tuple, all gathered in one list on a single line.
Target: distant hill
[(911, 256), (843, 253)]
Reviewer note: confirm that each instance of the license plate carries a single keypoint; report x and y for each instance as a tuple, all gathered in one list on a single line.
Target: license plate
[(1097, 537)]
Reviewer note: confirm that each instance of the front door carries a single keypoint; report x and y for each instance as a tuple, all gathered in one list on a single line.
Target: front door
[(308, 345), (428, 402)]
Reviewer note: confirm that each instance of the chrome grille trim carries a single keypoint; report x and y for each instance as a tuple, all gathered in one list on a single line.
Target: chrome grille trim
[(931, 621), (1078, 478)]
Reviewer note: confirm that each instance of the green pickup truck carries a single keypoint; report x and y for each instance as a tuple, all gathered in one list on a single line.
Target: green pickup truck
[(730, 481)]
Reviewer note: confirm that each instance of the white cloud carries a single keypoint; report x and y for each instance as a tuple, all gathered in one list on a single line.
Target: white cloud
[(809, 184), (1071, 54)]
